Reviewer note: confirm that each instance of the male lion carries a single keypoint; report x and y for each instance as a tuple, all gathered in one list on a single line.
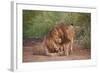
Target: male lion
[(52, 41), (50, 44), (67, 38)]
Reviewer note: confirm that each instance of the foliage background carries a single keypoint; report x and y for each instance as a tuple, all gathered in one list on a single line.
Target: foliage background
[(36, 24)]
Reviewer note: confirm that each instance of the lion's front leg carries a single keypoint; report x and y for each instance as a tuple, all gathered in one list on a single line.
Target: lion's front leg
[(71, 46), (61, 51), (47, 53), (66, 49)]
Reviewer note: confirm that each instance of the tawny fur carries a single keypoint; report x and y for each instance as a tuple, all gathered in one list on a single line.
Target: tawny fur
[(59, 41), (67, 38)]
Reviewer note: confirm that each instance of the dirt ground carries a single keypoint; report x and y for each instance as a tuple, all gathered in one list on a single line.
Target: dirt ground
[(78, 54)]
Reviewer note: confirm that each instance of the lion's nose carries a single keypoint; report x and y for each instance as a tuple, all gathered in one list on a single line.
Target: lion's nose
[(59, 40)]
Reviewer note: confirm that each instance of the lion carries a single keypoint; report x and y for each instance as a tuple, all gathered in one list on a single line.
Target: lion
[(67, 38), (50, 44), (52, 41)]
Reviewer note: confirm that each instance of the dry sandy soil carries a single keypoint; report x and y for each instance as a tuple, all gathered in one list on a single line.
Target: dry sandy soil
[(78, 54)]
